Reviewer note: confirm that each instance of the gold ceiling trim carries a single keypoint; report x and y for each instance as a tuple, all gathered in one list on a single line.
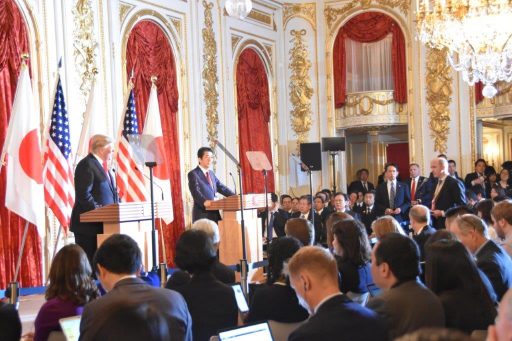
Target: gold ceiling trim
[(439, 91), (84, 45), (261, 17), (306, 11), (301, 89), (209, 73)]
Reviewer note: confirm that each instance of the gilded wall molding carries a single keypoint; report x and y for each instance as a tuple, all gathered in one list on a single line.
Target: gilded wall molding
[(177, 25), (301, 89), (124, 8), (332, 13), (210, 79), (261, 17), (84, 45), (269, 49), (305, 11), (472, 119), (234, 41), (439, 91)]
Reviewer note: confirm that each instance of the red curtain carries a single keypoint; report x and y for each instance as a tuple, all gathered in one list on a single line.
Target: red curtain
[(479, 86), (14, 42), (398, 153), (366, 28), (253, 118), (149, 53)]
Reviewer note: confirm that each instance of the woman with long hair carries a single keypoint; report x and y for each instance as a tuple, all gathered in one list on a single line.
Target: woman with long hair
[(70, 288), (453, 276)]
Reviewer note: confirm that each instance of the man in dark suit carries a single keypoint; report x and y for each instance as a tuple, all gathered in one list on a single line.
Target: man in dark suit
[(490, 257), (306, 212), (392, 197), (341, 205), (418, 186), (203, 185), (314, 277), (477, 181), (447, 192), (405, 303), (94, 187), (277, 220), (117, 262), (419, 217), (369, 212), (452, 170), (362, 185)]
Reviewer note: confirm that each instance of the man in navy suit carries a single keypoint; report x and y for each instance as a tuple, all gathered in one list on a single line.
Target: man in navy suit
[(203, 185), (392, 197), (314, 277), (418, 186), (94, 187)]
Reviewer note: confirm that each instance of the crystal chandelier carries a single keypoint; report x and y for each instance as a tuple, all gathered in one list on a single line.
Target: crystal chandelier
[(238, 8), (476, 33)]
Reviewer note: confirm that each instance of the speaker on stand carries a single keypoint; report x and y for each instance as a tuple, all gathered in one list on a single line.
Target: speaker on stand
[(333, 145)]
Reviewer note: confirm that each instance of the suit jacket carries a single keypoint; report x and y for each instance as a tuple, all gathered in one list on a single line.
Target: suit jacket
[(93, 189), (169, 303), (201, 191), (450, 195), (357, 186), (340, 319), (319, 233), (477, 188), (220, 271), (407, 307), (354, 278), (420, 192), (276, 302), (421, 238), (211, 303), (497, 265), (367, 217), (280, 218), (402, 199)]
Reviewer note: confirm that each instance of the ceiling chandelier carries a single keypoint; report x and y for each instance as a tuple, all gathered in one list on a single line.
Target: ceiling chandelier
[(238, 8), (477, 35)]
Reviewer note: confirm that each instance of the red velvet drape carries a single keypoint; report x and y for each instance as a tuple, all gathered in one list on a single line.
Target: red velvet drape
[(479, 86), (149, 53), (14, 42), (370, 27), (253, 117)]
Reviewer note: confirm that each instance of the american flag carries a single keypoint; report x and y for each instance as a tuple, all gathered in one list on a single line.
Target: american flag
[(59, 192), (130, 181)]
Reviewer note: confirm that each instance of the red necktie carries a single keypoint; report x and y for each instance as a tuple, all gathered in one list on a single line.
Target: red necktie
[(209, 179), (105, 167), (413, 189)]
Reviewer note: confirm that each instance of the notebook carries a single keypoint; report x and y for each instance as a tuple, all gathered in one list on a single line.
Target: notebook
[(252, 332), (71, 327)]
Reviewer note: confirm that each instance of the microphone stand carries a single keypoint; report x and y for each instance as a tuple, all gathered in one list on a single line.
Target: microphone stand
[(152, 165), (333, 155), (267, 219)]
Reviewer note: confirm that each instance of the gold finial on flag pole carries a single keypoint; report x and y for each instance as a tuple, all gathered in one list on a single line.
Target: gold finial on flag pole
[(154, 79)]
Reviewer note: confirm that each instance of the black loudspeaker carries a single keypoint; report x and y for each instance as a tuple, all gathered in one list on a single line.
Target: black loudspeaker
[(333, 144), (311, 155)]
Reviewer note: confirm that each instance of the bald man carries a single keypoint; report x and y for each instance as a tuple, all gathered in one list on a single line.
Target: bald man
[(447, 191), (419, 217), (314, 277)]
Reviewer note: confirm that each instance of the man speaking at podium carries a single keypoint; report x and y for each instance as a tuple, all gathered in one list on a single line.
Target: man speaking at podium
[(94, 187), (203, 185)]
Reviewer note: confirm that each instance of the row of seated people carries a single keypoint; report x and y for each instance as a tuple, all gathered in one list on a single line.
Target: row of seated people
[(464, 275)]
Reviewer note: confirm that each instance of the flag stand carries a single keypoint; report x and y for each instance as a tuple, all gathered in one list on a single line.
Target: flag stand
[(14, 286), (152, 165)]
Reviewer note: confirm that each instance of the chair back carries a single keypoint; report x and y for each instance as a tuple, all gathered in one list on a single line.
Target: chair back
[(281, 330)]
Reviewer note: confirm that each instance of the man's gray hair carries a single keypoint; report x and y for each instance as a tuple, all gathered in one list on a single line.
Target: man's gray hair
[(210, 227)]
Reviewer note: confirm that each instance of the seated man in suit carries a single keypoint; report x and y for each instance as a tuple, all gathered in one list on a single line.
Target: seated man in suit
[(392, 197), (314, 277), (502, 218), (453, 213), (203, 185), (361, 184), (117, 263), (341, 205), (405, 303), (369, 212), (306, 212), (447, 192), (419, 217), (490, 257), (477, 181), (277, 220), (286, 203)]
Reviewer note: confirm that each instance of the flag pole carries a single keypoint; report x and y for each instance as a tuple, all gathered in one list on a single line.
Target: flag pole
[(123, 115), (49, 119), (14, 284)]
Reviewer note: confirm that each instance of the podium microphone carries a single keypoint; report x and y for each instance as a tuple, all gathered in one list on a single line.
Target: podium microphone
[(154, 183), (234, 182)]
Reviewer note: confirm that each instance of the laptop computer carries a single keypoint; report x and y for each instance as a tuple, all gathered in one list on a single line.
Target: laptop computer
[(71, 327), (251, 332)]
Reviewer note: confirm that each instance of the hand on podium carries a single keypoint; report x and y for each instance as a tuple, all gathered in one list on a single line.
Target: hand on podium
[(207, 203)]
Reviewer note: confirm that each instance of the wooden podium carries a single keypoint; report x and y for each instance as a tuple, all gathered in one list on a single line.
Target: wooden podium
[(132, 219), (230, 248)]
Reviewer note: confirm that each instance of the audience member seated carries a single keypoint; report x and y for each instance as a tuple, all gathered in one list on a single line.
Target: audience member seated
[(306, 212), (502, 218), (295, 205), (276, 221), (453, 276), (301, 229), (352, 250), (490, 257), (406, 304), (392, 197), (321, 210), (276, 300), (219, 270), (314, 276), (453, 213), (70, 287), (503, 185), (10, 324), (212, 304), (130, 321), (385, 225), (477, 181), (361, 184), (502, 329), (341, 205), (368, 213), (436, 334), (483, 209), (329, 224), (286, 203), (117, 262), (419, 217), (473, 198)]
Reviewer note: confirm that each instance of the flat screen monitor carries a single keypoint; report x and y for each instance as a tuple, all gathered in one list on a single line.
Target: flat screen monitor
[(252, 332)]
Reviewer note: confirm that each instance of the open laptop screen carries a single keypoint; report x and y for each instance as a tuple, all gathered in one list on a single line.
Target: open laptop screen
[(252, 332)]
